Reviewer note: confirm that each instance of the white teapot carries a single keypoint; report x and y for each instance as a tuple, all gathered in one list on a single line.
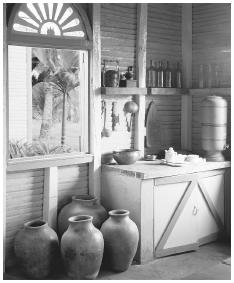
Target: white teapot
[(170, 155)]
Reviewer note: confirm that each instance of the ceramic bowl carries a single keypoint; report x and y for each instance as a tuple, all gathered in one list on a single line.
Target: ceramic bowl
[(126, 156)]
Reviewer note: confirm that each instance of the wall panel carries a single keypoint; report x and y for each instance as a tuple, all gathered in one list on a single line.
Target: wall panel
[(169, 117), (24, 202), (164, 44), (118, 41), (72, 180), (164, 33), (212, 42), (118, 33)]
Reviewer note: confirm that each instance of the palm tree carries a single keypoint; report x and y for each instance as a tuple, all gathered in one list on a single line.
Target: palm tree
[(58, 71)]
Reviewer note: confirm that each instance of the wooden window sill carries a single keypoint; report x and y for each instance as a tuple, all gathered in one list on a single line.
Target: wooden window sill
[(45, 161)]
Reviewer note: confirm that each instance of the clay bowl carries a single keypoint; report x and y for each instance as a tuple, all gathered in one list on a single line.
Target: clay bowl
[(126, 156)]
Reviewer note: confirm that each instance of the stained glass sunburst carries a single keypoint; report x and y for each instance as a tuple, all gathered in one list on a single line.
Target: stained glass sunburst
[(52, 19)]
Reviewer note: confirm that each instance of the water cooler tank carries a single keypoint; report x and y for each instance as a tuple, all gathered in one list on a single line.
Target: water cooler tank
[(214, 127)]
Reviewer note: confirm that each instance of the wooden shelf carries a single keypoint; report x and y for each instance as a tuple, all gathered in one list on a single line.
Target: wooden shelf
[(46, 161), (167, 91), (210, 91), (123, 91)]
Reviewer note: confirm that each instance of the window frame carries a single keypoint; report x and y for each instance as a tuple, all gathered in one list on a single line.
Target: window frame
[(28, 40)]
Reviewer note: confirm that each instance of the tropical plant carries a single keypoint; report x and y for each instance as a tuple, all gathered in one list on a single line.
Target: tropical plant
[(20, 148), (58, 72)]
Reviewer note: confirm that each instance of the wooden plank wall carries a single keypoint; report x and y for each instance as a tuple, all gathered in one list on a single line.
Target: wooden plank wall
[(212, 40), (118, 33), (24, 202), (164, 33), (169, 115), (118, 41), (121, 138), (196, 117), (72, 180), (164, 43)]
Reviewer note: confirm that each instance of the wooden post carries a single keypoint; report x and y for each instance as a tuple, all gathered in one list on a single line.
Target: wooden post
[(50, 203), (95, 104), (186, 100), (187, 45), (141, 74), (4, 125)]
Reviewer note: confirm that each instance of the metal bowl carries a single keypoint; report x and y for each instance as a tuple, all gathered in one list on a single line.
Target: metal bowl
[(126, 156)]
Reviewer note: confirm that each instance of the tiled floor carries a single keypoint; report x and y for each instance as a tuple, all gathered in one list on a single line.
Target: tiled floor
[(206, 263)]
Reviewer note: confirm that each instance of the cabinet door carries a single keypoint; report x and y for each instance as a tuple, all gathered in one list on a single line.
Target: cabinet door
[(175, 218), (210, 207)]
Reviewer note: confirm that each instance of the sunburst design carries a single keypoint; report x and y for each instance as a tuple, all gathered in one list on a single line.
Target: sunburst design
[(52, 19)]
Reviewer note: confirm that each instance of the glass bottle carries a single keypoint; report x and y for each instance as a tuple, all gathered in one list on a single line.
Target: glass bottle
[(209, 77), (201, 76), (151, 75), (216, 76), (160, 75), (168, 76), (129, 73), (178, 76)]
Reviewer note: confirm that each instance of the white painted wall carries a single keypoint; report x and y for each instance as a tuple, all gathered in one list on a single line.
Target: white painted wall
[(18, 80)]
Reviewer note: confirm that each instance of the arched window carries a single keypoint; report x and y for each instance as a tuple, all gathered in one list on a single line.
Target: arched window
[(48, 47), (49, 24)]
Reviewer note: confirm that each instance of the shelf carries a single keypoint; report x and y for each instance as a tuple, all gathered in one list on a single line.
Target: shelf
[(45, 161), (123, 91), (167, 91), (210, 91)]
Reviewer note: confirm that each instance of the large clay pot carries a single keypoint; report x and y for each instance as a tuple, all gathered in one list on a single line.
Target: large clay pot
[(82, 205), (121, 237), (37, 249), (82, 248), (214, 127)]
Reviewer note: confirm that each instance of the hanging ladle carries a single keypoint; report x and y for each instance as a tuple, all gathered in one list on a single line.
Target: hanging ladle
[(130, 108), (105, 132)]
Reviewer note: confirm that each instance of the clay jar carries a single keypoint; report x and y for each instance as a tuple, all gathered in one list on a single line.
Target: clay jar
[(81, 205), (121, 237), (82, 248), (37, 249)]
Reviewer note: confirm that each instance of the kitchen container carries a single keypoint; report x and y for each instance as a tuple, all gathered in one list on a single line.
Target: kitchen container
[(126, 156)]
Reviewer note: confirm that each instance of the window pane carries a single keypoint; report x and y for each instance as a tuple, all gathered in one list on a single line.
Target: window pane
[(47, 101)]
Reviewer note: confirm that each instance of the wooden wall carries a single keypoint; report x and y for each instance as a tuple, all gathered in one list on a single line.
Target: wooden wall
[(164, 43), (169, 117), (118, 33), (24, 202), (212, 40), (118, 41), (72, 180), (25, 193), (164, 33)]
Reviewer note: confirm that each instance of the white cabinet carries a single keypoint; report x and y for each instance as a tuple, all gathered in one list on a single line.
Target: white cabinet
[(174, 212), (188, 213)]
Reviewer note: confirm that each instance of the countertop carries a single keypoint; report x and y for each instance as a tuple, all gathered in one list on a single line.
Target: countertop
[(155, 169)]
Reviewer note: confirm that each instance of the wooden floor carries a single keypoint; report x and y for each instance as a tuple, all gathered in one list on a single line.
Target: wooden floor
[(207, 263)]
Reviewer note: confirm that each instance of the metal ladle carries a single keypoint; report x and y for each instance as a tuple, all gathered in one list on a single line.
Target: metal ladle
[(105, 132)]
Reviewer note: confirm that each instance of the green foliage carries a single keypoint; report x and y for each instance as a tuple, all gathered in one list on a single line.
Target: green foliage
[(21, 148)]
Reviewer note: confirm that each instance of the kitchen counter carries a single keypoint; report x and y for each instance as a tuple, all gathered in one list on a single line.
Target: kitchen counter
[(176, 209), (155, 169)]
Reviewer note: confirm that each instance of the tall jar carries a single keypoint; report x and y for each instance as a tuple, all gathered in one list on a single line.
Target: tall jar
[(80, 205), (121, 238), (37, 249), (214, 127), (82, 248)]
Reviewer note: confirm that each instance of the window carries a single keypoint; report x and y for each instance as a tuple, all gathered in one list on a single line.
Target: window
[(53, 19), (47, 86)]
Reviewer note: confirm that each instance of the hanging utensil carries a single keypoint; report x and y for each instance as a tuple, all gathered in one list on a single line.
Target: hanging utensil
[(130, 108), (105, 132)]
